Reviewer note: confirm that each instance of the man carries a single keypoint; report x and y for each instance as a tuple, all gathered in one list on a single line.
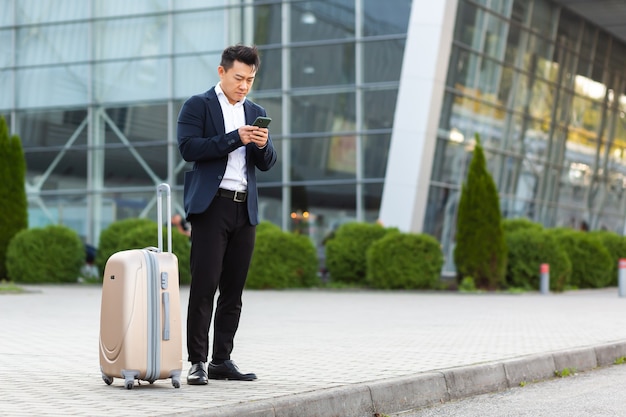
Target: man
[(215, 133)]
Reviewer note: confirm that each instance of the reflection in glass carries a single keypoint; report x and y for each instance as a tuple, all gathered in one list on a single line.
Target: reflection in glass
[(323, 65), (317, 20), (386, 17), (323, 113)]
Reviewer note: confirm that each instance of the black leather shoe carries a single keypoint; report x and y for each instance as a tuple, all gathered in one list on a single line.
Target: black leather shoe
[(197, 375), (228, 370)]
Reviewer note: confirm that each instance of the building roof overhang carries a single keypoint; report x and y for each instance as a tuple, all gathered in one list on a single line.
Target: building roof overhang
[(608, 14)]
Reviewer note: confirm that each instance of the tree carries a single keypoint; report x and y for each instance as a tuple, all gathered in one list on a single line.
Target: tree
[(480, 251), (13, 203)]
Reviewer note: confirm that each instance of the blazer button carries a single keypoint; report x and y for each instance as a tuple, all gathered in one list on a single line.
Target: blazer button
[(219, 177)]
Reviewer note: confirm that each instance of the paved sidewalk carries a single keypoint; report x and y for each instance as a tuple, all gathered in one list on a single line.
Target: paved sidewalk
[(317, 353)]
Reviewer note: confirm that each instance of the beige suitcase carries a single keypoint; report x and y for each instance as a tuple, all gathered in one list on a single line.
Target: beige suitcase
[(140, 320)]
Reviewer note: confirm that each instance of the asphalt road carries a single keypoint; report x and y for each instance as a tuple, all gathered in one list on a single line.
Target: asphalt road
[(597, 393)]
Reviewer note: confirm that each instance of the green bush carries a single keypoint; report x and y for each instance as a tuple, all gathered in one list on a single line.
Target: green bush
[(591, 261), (616, 245), (111, 236), (480, 251), (267, 225), (282, 260), (404, 261), (520, 223), (145, 235), (13, 203), (528, 249), (346, 251), (52, 254)]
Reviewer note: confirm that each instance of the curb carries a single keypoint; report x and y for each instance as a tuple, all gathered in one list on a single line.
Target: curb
[(405, 393)]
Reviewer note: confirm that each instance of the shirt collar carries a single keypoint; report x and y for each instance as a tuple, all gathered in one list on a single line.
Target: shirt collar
[(222, 97)]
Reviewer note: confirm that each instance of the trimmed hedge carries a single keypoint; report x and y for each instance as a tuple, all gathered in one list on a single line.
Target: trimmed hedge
[(591, 261), (404, 261), (111, 236), (143, 236), (346, 251), (282, 260), (529, 248), (520, 223), (616, 245), (45, 255)]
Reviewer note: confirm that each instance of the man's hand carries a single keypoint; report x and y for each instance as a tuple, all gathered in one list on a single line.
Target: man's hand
[(254, 134)]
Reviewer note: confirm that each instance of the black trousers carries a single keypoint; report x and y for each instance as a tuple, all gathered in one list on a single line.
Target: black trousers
[(222, 241)]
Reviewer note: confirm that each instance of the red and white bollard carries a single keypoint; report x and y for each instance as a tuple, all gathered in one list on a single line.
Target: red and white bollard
[(621, 278), (544, 282)]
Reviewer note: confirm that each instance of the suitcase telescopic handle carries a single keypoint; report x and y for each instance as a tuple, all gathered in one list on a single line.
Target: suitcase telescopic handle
[(161, 189)]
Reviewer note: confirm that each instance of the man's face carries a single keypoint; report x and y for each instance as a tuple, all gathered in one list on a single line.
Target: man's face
[(237, 81)]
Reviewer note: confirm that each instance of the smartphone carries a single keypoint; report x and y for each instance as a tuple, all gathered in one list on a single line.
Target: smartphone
[(262, 121)]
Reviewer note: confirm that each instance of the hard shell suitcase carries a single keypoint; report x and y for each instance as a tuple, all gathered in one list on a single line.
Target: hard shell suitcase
[(140, 323)]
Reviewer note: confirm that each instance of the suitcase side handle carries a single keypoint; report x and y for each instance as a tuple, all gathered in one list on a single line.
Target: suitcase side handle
[(161, 189)]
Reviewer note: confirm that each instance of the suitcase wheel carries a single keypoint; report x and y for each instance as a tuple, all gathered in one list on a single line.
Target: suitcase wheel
[(107, 379), (129, 384), (176, 382)]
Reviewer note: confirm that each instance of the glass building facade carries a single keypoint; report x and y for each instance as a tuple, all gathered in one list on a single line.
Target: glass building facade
[(93, 88)]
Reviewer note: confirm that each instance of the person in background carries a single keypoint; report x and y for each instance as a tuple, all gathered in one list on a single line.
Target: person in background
[(215, 132), (181, 225)]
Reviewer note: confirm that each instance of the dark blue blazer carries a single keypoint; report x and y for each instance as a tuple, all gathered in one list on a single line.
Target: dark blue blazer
[(202, 139)]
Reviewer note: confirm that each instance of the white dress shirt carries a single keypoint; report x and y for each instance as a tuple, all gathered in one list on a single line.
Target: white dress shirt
[(235, 178)]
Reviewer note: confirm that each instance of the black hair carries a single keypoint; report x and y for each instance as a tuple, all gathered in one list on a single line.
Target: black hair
[(249, 55)]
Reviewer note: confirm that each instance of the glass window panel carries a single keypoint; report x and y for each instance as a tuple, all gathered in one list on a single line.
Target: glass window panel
[(6, 48), (6, 86), (195, 74), (270, 73), (122, 169), (335, 204), (386, 17), (6, 13), (130, 38), (323, 113), (52, 129), (67, 209), (275, 175), (545, 15), (131, 80), (68, 172), (124, 205), (63, 86), (542, 100), (187, 26), (316, 20), (372, 196), (273, 106), (53, 44), (198, 4), (467, 27), (323, 158), (323, 65), (380, 107), (375, 152), (271, 204), (268, 24), (125, 7), (140, 123), (38, 11), (599, 62), (382, 60)]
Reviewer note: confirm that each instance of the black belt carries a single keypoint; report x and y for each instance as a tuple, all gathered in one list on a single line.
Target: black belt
[(236, 196)]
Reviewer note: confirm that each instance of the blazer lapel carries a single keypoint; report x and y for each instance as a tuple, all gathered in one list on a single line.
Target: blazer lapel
[(215, 111)]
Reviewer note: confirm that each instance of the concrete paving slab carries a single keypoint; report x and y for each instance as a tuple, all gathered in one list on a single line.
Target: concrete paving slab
[(316, 350)]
